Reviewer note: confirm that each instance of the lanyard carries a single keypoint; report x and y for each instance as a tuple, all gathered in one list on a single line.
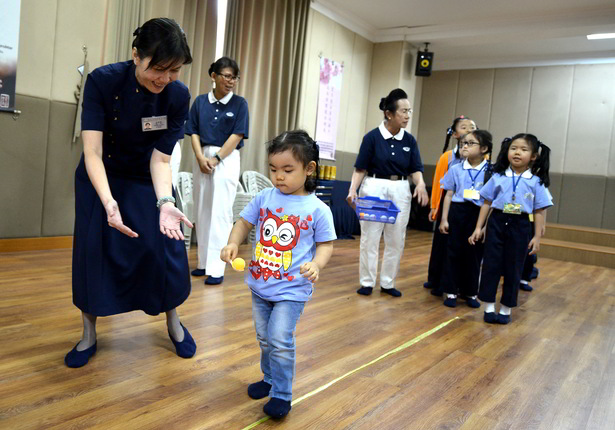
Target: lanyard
[(477, 173), (515, 184)]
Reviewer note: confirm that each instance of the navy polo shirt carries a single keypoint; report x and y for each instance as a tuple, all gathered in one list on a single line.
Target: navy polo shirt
[(215, 120), (115, 103), (381, 153)]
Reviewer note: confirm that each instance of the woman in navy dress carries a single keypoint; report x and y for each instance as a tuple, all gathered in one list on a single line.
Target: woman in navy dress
[(128, 251)]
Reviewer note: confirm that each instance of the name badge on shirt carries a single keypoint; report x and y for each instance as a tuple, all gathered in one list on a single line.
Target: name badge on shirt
[(512, 208), (471, 194), (154, 123)]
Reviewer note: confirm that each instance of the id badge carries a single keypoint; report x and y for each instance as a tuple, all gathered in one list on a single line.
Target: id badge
[(512, 208), (471, 194), (154, 123), (531, 217)]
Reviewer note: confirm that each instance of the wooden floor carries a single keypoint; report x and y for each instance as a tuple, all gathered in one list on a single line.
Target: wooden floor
[(553, 367)]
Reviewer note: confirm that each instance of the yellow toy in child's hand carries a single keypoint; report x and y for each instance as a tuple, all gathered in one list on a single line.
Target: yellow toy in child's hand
[(238, 264)]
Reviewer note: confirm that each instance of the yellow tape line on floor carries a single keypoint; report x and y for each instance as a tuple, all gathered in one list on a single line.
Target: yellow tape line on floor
[(393, 351)]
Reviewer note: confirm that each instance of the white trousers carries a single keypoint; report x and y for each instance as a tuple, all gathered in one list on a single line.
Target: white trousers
[(394, 234), (214, 195), (176, 159)]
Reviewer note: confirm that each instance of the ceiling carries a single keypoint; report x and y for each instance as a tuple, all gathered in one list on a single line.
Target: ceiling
[(474, 34)]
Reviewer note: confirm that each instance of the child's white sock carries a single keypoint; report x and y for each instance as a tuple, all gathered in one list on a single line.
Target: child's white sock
[(489, 307), (524, 282), (474, 297), (451, 296), (504, 310)]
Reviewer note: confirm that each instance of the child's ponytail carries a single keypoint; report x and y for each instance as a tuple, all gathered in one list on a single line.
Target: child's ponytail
[(540, 167), (502, 163), (450, 131)]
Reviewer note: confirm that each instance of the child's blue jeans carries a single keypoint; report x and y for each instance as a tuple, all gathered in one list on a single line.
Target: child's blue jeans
[(275, 324)]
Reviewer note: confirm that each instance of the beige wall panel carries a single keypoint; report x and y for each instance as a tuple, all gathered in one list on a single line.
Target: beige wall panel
[(549, 109), (62, 158), (343, 43), (582, 200), (319, 41), (474, 95), (437, 113), (591, 120), (359, 80), (410, 84), (509, 109), (78, 23), (36, 48), (23, 146), (385, 74)]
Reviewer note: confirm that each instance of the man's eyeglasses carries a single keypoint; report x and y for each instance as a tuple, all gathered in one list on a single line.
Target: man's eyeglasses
[(230, 78)]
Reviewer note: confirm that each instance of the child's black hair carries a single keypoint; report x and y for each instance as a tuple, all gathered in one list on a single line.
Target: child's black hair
[(540, 166), (303, 148), (450, 131), (485, 140), (164, 41), (389, 103)]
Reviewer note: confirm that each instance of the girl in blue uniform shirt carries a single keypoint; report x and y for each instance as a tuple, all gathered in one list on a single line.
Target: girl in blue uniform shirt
[(133, 114), (460, 127), (293, 244), (516, 192), (462, 204), (218, 125)]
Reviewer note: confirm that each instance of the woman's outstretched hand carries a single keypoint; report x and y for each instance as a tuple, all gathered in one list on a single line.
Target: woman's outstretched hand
[(114, 219), (170, 219)]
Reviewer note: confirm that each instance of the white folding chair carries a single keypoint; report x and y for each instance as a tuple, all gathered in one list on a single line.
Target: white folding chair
[(241, 201), (186, 202), (255, 182)]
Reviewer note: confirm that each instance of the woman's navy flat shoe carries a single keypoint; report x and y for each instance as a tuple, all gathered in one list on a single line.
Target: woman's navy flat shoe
[(186, 348), (76, 358)]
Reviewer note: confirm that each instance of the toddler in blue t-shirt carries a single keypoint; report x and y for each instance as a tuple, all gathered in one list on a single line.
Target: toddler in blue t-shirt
[(293, 243)]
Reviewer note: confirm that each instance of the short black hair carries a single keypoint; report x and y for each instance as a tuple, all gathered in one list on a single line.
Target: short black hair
[(222, 63), (303, 148), (164, 41), (389, 103)]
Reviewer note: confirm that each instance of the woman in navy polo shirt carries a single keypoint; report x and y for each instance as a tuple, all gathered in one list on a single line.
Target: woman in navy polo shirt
[(133, 114), (388, 157), (218, 124)]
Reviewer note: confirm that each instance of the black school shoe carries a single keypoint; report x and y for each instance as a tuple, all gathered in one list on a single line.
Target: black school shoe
[(503, 319), (490, 318), (277, 408), (535, 273), (525, 287), (427, 285), (436, 292), (451, 302)]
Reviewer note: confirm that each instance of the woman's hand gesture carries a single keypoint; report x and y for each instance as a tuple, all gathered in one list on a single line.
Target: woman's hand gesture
[(114, 219), (170, 219), (351, 198), (420, 192)]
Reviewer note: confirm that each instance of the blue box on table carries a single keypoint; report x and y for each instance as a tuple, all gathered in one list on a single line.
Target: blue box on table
[(376, 209)]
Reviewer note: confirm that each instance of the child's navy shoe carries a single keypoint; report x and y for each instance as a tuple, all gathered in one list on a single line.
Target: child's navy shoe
[(472, 302), (76, 358), (427, 285), (186, 348), (391, 291), (365, 291), (535, 273), (525, 287), (490, 317), (436, 292), (451, 302), (211, 280), (503, 319), (259, 390), (198, 272), (277, 408)]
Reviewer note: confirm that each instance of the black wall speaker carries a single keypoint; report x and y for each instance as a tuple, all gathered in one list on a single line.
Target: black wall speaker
[(424, 61)]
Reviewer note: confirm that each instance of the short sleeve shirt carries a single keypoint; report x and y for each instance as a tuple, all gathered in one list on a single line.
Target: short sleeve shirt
[(381, 153), (115, 103), (462, 177), (287, 230), (215, 120), (529, 192)]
